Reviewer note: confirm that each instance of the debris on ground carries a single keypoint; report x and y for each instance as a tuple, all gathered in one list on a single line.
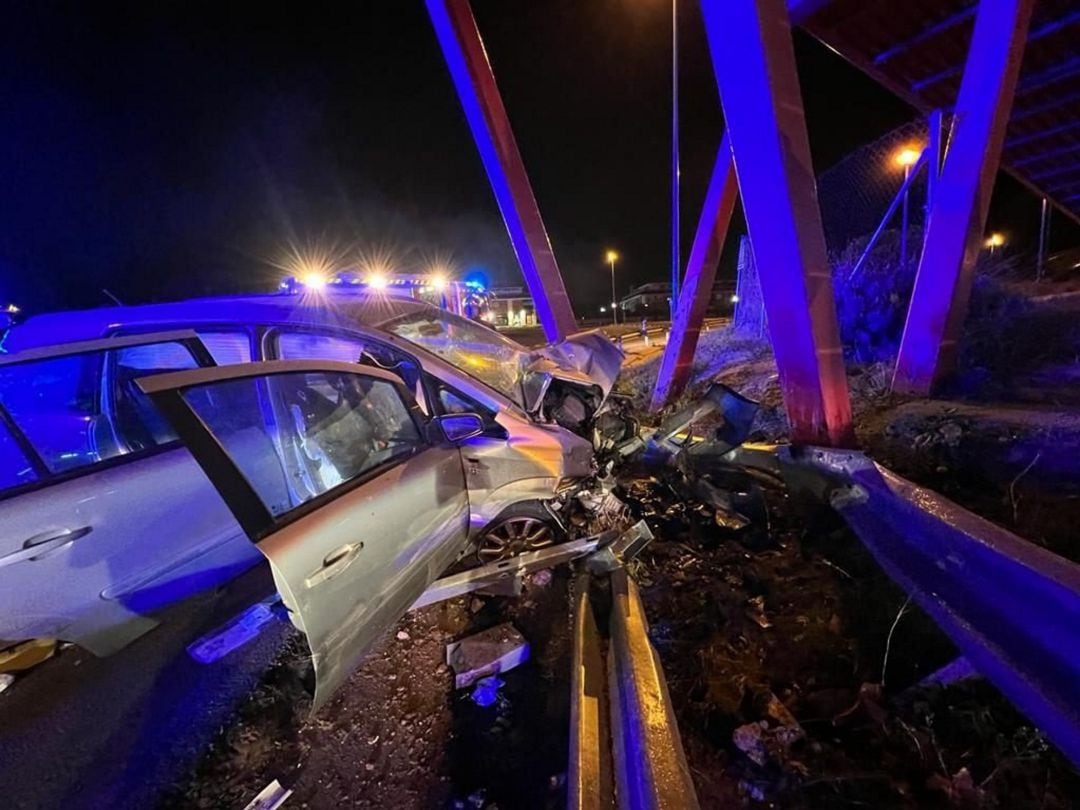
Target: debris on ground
[(270, 797), (498, 649), (27, 654), (486, 690), (6, 680)]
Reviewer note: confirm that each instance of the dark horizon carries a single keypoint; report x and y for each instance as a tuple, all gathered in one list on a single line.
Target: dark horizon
[(165, 153)]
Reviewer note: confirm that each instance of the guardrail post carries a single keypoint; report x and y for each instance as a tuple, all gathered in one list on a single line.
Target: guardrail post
[(474, 81), (961, 197), (754, 60)]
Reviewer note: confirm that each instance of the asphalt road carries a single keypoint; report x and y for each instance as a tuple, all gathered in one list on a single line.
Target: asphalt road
[(80, 731)]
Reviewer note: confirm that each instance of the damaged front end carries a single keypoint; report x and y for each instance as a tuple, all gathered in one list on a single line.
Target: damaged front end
[(569, 383)]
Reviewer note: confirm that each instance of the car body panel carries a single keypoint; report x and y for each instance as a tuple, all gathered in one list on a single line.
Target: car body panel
[(527, 466), (120, 552), (348, 562)]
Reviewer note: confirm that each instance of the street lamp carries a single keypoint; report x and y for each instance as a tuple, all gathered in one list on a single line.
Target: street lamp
[(995, 240), (613, 257), (906, 157)]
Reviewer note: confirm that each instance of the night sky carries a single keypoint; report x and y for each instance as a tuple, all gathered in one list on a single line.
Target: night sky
[(163, 150)]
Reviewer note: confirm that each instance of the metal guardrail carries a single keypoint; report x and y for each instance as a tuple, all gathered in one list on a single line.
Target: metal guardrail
[(622, 702), (1011, 607)]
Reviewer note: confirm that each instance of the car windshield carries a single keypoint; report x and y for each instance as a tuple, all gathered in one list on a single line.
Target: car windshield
[(475, 349)]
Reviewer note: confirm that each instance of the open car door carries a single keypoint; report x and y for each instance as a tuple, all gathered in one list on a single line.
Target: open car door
[(337, 477)]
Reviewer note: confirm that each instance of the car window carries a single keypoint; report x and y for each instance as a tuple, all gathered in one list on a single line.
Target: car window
[(15, 468), (227, 348), (60, 406), (475, 349), (138, 423), (305, 345), (309, 344), (326, 429)]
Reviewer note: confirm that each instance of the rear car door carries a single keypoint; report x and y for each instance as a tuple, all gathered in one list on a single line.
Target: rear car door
[(337, 477), (104, 517)]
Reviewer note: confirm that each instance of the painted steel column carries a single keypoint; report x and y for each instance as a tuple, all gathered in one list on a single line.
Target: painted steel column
[(961, 199), (474, 81), (754, 60), (701, 268)]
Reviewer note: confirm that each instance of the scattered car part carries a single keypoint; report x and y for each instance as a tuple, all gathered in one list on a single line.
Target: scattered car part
[(234, 634), (512, 570), (489, 652), (270, 797), (27, 655)]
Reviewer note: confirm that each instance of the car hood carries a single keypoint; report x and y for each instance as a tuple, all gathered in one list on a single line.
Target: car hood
[(589, 360)]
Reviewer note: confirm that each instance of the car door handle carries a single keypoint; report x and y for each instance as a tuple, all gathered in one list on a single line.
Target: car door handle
[(334, 563), (44, 544)]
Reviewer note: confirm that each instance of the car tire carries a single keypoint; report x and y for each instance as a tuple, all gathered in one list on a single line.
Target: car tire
[(519, 529)]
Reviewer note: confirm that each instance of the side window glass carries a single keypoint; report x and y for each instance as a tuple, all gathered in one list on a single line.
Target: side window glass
[(15, 468), (137, 422), (54, 403), (328, 429), (61, 406), (227, 348), (318, 346)]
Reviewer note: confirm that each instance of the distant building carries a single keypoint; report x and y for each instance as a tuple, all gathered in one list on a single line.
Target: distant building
[(652, 300), (510, 306)]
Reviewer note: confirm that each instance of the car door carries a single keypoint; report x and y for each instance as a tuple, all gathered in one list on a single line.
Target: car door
[(354, 497), (107, 518)]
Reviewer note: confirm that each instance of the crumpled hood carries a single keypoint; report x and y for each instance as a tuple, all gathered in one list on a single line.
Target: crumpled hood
[(588, 359)]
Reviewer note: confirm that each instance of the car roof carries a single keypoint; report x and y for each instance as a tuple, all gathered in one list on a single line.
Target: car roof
[(330, 308)]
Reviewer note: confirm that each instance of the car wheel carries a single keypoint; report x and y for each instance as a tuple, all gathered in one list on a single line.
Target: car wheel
[(520, 529)]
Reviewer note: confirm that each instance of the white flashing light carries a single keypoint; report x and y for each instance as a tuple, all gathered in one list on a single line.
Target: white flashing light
[(314, 280), (377, 281)]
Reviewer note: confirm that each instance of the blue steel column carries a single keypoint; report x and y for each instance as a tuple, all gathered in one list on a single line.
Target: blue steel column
[(701, 267), (474, 81), (961, 198), (754, 60)]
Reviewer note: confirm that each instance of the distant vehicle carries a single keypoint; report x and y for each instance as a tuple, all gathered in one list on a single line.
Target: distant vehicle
[(360, 429)]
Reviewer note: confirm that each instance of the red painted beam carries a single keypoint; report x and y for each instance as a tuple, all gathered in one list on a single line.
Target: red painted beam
[(697, 287), (958, 209), (754, 61), (455, 28)]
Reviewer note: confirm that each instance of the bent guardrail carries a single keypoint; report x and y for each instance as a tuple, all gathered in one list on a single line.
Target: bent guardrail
[(1011, 607)]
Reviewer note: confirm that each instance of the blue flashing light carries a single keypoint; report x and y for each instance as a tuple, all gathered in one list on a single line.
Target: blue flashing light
[(476, 279)]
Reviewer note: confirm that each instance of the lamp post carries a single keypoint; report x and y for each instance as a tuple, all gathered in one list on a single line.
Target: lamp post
[(906, 157), (613, 257)]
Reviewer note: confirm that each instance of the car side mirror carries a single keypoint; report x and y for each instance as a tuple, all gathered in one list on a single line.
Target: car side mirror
[(457, 427)]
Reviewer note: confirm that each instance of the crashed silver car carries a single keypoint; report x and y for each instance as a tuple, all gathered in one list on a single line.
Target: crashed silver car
[(361, 444)]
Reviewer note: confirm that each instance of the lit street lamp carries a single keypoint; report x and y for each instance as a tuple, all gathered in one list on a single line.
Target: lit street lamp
[(613, 257), (995, 240), (906, 157)]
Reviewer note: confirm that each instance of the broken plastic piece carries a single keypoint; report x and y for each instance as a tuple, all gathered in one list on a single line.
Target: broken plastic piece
[(26, 655), (236, 633), (270, 797), (499, 649)]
